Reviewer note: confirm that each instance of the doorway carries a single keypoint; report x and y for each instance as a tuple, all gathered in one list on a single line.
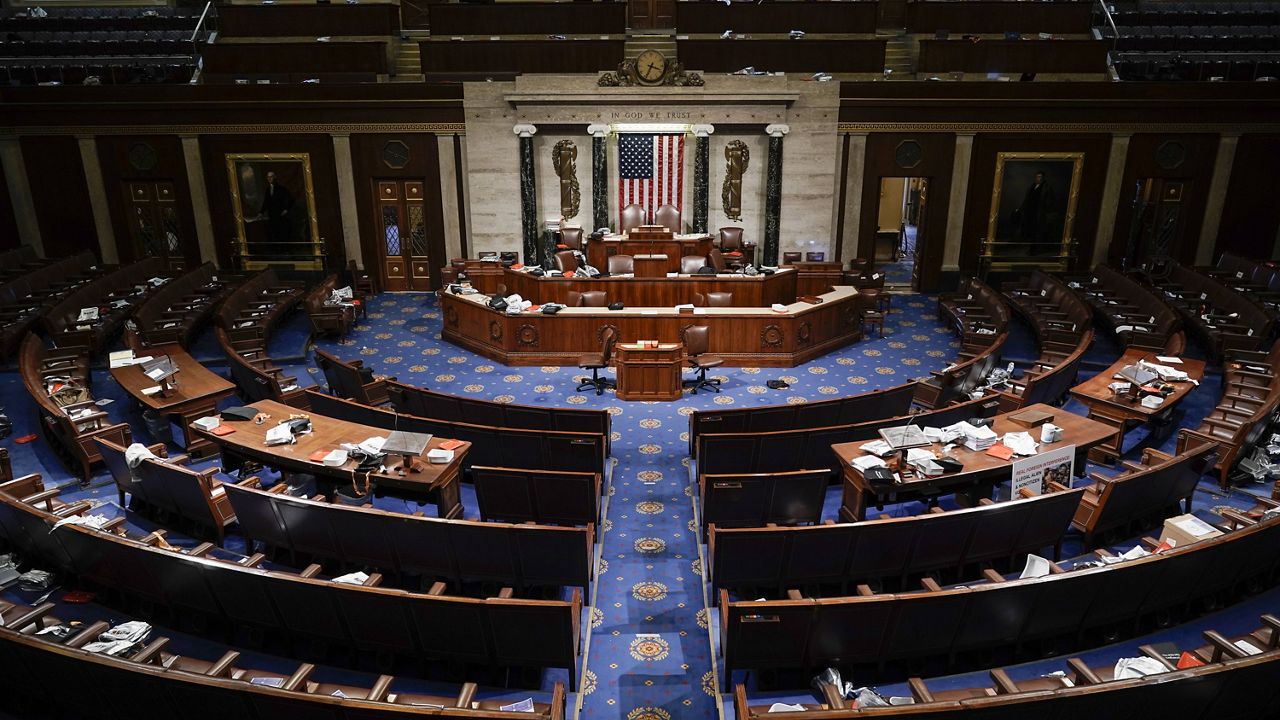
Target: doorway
[(401, 235), (651, 14), (901, 229), (1157, 222), (154, 226)]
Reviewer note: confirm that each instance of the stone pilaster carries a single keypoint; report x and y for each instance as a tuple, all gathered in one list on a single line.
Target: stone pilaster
[(24, 208), (773, 193), (199, 198), (528, 193), (956, 203), (599, 176), (701, 170), (98, 198), (1112, 189), (345, 170), (1217, 197)]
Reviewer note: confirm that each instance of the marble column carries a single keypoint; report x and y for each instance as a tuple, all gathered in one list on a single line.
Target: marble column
[(599, 176), (199, 198), (773, 193), (449, 198), (701, 170), (98, 199), (853, 195), (346, 173), (956, 203), (528, 193), (24, 209), (1217, 198), (1112, 189)]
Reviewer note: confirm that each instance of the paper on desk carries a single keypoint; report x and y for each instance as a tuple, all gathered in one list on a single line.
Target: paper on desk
[(915, 454), (149, 391), (785, 707), (867, 461), (1169, 360), (373, 445), (1137, 667), (1021, 443), (525, 705), (1036, 567), (1136, 552), (355, 578), (876, 447)]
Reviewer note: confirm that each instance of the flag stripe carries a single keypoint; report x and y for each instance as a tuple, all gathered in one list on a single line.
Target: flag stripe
[(650, 172)]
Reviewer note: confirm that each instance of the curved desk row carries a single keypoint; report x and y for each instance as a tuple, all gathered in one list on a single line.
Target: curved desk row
[(749, 291), (743, 336)]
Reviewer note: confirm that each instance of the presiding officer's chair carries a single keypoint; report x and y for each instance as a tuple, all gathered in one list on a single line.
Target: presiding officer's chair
[(713, 299), (695, 344), (668, 217), (566, 261), (735, 249), (570, 238), (632, 217), (621, 265), (595, 362), (691, 264)]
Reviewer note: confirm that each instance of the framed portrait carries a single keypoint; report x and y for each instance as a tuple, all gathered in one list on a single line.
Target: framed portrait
[(273, 199), (1033, 210)]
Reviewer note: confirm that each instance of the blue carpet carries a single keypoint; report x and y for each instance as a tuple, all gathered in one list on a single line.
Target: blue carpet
[(650, 650)]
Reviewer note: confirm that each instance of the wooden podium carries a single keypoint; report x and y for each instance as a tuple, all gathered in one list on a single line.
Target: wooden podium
[(650, 266), (649, 373)]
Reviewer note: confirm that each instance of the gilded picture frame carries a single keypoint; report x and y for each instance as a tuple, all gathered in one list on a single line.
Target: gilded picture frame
[(275, 225), (1034, 199)]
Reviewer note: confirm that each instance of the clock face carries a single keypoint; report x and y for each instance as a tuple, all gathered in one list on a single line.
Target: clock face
[(651, 66)]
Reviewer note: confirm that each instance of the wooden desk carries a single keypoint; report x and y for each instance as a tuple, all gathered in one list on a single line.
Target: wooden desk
[(758, 291), (437, 482), (981, 473), (649, 373), (1123, 411), (674, 247), (743, 336), (650, 266), (196, 394)]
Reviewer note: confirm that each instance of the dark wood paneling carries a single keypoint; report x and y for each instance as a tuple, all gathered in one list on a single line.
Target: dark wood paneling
[(8, 221), (812, 16), (529, 18), (517, 56), (302, 20), (1195, 172), (229, 58), (60, 194), (213, 152), (807, 55), (117, 171), (1251, 215), (1013, 56), (424, 165), (1096, 149), (998, 16), (937, 157)]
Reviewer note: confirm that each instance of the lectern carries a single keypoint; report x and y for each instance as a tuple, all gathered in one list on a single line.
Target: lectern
[(649, 371)]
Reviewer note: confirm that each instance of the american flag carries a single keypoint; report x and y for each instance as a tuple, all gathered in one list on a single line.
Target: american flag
[(650, 171)]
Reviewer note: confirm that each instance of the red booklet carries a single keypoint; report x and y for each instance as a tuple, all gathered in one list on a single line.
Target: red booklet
[(318, 456), (1188, 661), (223, 430), (1004, 452), (450, 444)]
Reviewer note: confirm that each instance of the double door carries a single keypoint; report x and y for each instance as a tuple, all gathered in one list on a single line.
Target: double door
[(402, 235), (155, 228), (651, 14)]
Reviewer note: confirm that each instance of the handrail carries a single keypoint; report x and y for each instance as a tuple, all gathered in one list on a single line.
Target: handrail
[(207, 7), (1115, 32)]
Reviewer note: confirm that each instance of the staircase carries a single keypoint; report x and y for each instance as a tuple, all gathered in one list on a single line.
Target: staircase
[(664, 41), (899, 53), (408, 59)]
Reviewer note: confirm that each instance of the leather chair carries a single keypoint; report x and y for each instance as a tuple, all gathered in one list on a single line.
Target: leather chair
[(713, 299), (869, 312), (362, 281), (570, 238), (691, 264), (715, 259), (669, 217), (632, 217), (815, 257), (590, 298), (621, 265), (695, 344), (566, 261), (789, 258), (736, 250), (595, 362)]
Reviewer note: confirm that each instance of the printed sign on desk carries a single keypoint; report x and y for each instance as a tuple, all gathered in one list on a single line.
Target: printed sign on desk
[(1035, 472)]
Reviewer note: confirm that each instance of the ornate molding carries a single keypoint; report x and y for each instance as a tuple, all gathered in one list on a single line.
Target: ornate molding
[(598, 130), (451, 316), (771, 336), (527, 335), (495, 331), (702, 130), (777, 129), (626, 76), (804, 333), (524, 130)]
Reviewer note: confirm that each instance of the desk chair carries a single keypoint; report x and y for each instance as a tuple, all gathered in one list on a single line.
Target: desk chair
[(734, 247), (667, 216), (695, 344), (566, 261), (691, 264), (362, 281), (815, 257), (713, 299), (595, 362), (570, 238), (621, 265), (715, 259), (632, 217), (869, 312), (590, 298)]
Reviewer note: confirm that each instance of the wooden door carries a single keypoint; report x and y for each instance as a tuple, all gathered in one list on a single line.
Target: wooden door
[(651, 14), (154, 226), (922, 228), (402, 235)]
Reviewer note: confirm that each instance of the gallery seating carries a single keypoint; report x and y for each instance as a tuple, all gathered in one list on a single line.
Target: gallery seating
[(1160, 486), (114, 295), (177, 312), (890, 550), (442, 406), (170, 489), (434, 549), (72, 422), (352, 380), (1221, 318), (500, 631), (1220, 680), (490, 445), (756, 499), (862, 407), (547, 497), (935, 622), (1137, 316)]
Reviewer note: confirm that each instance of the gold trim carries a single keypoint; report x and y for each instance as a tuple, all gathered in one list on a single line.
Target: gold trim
[(1100, 128), (249, 262), (1073, 197), (348, 128)]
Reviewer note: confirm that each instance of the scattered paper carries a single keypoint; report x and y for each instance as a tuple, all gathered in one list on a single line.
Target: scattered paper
[(525, 705), (785, 707), (355, 578), (1036, 567), (1131, 668), (1169, 360)]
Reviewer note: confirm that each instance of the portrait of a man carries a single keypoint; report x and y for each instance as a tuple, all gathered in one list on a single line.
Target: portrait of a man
[(1033, 204), (272, 196)]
